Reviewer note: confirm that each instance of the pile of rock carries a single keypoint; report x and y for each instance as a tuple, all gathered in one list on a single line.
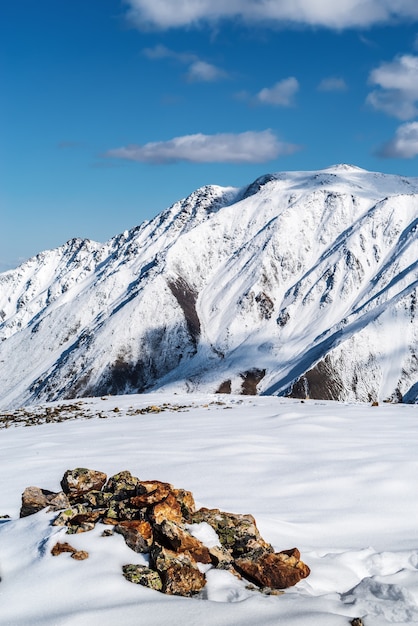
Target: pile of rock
[(157, 519)]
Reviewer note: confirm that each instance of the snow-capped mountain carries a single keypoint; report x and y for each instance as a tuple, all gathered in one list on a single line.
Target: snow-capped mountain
[(302, 283)]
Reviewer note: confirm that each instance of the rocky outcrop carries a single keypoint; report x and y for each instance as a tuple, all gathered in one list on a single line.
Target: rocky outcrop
[(156, 519)]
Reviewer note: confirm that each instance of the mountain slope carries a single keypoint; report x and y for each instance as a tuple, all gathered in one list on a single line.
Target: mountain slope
[(302, 283)]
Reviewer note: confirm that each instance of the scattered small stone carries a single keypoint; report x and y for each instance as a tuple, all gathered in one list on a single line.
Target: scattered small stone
[(60, 548), (34, 416), (80, 555), (357, 621)]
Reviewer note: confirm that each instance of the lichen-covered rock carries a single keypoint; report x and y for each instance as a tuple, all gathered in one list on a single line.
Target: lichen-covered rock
[(221, 558), (98, 499), (179, 539), (35, 499), (123, 485), (142, 575), (123, 510), (179, 572), (78, 518), (79, 481), (277, 571), (237, 533), (84, 527), (138, 534)]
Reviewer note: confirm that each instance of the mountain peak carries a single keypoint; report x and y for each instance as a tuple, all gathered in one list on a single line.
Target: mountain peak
[(344, 167), (301, 283)]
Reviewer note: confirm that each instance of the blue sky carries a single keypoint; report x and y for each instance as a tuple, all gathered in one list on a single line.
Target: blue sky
[(111, 110)]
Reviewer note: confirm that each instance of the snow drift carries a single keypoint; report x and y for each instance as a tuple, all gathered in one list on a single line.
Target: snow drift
[(302, 284)]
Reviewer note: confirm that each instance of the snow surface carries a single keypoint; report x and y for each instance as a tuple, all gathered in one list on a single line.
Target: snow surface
[(336, 480)]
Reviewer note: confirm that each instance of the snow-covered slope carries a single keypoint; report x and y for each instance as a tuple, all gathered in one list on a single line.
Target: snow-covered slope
[(302, 283)]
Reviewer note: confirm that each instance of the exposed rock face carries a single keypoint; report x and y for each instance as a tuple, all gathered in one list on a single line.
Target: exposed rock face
[(155, 518)]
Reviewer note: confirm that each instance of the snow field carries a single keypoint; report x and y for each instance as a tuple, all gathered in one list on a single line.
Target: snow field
[(336, 480)]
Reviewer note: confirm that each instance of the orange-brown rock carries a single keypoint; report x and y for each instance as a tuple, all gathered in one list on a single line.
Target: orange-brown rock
[(80, 555), (178, 539), (60, 548), (138, 534), (167, 509), (154, 491), (276, 570)]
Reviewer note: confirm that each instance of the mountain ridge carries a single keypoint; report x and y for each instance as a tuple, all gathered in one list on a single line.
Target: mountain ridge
[(300, 283)]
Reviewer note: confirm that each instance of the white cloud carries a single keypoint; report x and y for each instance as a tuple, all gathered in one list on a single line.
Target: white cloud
[(332, 84), (247, 147), (281, 94), (405, 143), (199, 71), (204, 72), (164, 14), (398, 87), (162, 52)]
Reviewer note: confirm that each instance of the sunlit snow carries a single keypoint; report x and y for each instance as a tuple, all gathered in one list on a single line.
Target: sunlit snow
[(336, 480)]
